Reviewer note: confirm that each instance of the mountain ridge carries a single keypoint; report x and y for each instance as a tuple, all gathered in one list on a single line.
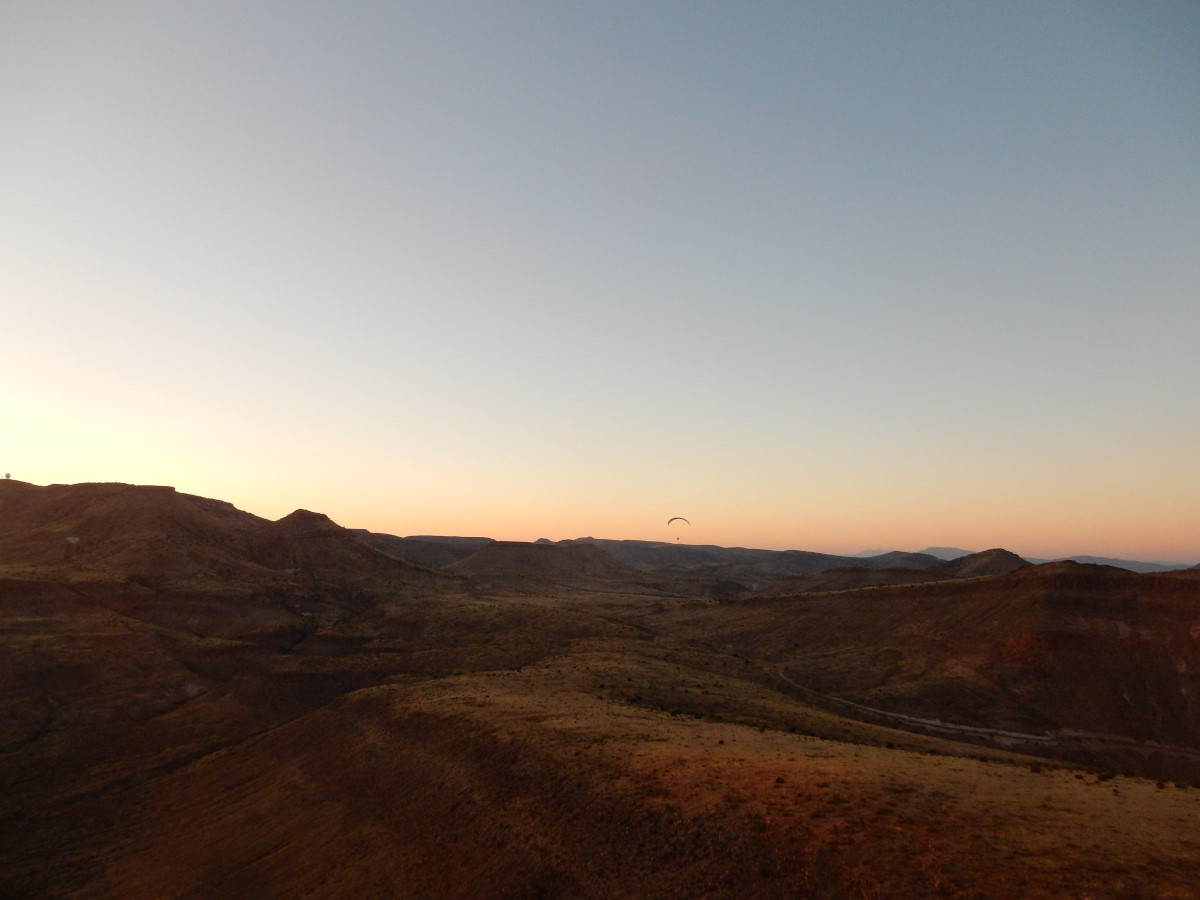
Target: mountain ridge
[(1134, 565)]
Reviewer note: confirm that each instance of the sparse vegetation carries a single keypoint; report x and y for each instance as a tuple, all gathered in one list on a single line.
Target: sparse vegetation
[(276, 709)]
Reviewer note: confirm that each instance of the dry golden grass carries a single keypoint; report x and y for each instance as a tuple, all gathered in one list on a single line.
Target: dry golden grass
[(551, 780), (889, 822)]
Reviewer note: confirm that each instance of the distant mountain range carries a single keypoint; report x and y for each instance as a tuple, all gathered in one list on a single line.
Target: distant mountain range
[(438, 551), (947, 553), (1133, 565)]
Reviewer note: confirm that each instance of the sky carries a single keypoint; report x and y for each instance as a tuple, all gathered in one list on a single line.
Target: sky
[(820, 276)]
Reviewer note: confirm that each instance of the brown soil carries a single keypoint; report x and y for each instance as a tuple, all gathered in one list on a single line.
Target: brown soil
[(279, 710)]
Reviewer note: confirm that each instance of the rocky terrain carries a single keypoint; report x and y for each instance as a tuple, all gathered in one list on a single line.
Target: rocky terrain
[(196, 702)]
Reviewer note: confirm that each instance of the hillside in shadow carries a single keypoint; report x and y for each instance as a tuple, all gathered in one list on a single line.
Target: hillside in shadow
[(198, 702)]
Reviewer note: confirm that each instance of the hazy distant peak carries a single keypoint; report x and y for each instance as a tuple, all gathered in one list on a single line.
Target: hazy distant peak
[(947, 553), (1132, 565)]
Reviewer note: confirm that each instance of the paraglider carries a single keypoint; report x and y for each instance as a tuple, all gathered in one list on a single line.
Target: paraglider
[(679, 519)]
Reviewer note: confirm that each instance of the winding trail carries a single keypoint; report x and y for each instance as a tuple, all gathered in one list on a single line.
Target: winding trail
[(1065, 740)]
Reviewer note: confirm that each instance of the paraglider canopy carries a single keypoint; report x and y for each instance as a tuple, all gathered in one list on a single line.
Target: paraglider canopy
[(678, 519)]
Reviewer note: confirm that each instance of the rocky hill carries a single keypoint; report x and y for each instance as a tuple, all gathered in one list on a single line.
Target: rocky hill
[(988, 562), (143, 535)]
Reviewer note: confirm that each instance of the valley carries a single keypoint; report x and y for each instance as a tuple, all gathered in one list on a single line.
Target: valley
[(198, 703)]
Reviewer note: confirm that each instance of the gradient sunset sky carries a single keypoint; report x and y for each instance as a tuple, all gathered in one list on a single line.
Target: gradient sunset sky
[(824, 276)]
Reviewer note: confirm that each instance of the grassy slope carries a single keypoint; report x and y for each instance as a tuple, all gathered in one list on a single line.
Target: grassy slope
[(549, 781)]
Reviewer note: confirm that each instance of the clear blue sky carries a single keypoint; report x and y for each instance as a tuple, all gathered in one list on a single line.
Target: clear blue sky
[(816, 275)]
